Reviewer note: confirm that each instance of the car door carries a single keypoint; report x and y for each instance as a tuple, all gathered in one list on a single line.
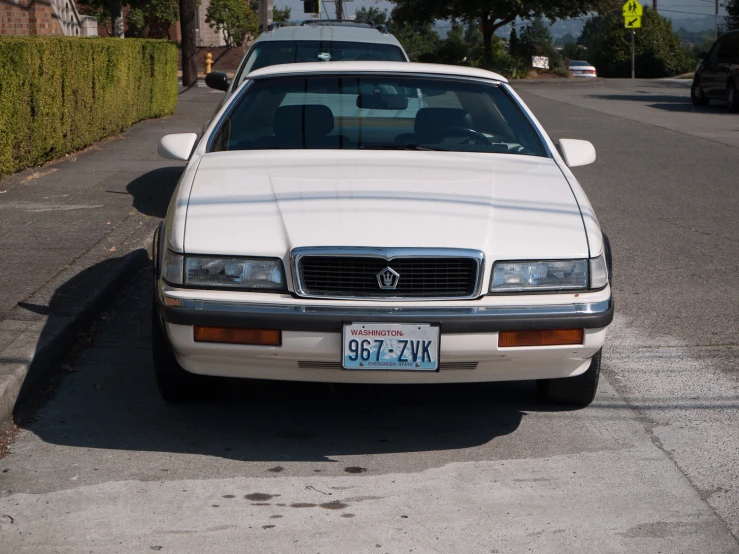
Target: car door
[(728, 62), (709, 71)]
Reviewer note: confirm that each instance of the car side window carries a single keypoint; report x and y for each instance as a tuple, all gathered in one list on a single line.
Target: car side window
[(728, 50), (712, 53)]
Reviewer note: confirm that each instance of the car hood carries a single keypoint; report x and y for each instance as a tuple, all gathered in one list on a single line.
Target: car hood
[(264, 203)]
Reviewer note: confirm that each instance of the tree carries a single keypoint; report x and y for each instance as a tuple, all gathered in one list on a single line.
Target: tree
[(568, 38), (419, 40), (152, 18), (116, 17), (573, 51), (493, 14), (658, 49), (281, 16), (371, 15), (732, 15), (234, 19)]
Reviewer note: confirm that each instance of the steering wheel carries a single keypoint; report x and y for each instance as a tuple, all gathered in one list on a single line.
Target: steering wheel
[(474, 137)]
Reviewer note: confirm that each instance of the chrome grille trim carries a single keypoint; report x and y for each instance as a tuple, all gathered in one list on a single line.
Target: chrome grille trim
[(387, 255), (443, 366)]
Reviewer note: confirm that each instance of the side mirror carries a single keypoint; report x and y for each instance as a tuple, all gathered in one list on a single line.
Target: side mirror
[(701, 55), (217, 80), (576, 152), (178, 146)]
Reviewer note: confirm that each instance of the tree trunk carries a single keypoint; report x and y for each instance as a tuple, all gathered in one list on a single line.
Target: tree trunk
[(187, 26), (116, 17), (487, 39)]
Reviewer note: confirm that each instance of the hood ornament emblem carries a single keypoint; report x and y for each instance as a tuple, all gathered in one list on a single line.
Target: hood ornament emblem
[(388, 279)]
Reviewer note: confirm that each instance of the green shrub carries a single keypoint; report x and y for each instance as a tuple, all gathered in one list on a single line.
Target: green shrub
[(60, 94), (560, 69)]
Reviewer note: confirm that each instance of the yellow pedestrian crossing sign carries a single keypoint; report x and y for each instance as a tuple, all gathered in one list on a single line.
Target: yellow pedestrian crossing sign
[(632, 22), (632, 9)]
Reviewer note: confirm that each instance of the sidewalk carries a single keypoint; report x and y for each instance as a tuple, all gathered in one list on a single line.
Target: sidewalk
[(71, 234)]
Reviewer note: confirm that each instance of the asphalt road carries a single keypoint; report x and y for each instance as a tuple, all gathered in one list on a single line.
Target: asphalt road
[(651, 466)]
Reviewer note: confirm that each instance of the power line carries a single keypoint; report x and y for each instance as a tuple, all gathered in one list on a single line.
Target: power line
[(688, 13)]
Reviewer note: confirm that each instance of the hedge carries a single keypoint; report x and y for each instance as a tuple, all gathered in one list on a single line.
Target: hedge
[(60, 94)]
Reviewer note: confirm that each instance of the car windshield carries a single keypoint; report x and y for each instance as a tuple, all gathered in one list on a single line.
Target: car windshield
[(376, 112), (579, 63), (268, 53)]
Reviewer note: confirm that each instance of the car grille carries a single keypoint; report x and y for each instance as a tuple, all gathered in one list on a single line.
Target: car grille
[(418, 277)]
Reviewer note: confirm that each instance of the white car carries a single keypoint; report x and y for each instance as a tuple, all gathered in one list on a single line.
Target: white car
[(379, 222), (579, 68), (313, 41)]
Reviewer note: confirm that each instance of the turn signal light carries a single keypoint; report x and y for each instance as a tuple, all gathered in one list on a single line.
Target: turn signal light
[(549, 337), (233, 335)]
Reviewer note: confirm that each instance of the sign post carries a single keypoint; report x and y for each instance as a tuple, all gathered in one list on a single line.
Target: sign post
[(633, 12)]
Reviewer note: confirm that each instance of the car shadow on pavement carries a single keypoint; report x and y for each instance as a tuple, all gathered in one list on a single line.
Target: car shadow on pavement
[(667, 102), (152, 191), (107, 398)]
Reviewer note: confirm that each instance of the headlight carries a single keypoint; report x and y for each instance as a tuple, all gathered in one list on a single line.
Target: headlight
[(234, 272), (539, 275), (237, 273)]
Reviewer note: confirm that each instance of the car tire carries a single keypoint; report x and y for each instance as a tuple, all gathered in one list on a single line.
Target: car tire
[(732, 97), (174, 383), (571, 391), (697, 96)]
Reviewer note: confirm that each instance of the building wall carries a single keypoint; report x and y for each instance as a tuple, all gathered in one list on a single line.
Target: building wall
[(208, 36), (44, 17), (28, 17)]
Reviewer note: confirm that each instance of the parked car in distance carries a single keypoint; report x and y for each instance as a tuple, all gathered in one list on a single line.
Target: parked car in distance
[(580, 68), (331, 227), (717, 74), (313, 41)]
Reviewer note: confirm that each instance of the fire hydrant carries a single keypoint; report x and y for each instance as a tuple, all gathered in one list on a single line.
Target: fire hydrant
[(208, 62)]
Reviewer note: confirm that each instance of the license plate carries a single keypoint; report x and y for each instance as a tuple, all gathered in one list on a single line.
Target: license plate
[(383, 346)]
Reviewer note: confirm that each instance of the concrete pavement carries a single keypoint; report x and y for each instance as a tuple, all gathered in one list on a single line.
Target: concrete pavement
[(280, 467), (72, 232)]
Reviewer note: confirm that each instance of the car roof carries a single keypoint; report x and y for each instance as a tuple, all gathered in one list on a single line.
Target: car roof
[(376, 67), (341, 33)]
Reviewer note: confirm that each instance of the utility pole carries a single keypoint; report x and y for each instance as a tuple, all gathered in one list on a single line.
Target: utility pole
[(188, 28), (654, 5), (264, 14), (633, 55), (339, 10), (715, 22)]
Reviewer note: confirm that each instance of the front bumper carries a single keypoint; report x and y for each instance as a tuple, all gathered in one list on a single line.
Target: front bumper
[(186, 307), (312, 330)]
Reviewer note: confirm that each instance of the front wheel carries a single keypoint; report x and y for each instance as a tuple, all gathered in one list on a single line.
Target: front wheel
[(697, 96), (732, 97), (572, 391), (174, 383)]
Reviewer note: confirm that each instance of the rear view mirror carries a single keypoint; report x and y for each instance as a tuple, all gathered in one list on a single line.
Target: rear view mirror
[(217, 80), (178, 146), (577, 152), (382, 102)]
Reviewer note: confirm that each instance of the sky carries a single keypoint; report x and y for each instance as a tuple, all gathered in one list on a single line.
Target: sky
[(677, 9)]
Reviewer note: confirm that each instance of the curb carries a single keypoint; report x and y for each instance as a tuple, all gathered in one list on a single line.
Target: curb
[(559, 81), (41, 344)]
